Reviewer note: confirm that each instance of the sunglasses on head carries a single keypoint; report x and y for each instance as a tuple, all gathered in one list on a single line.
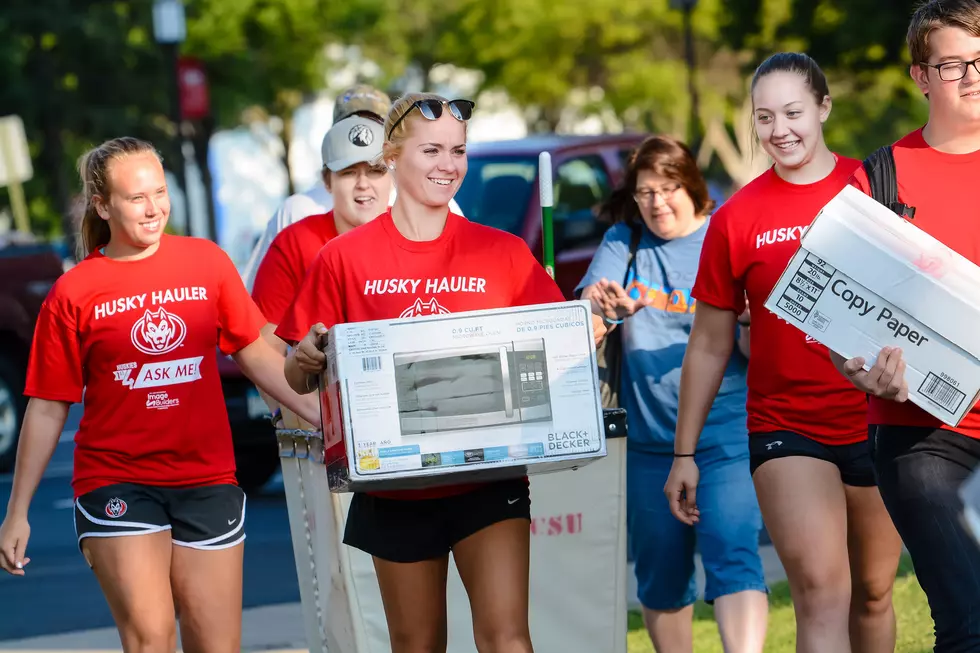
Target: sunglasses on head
[(461, 110)]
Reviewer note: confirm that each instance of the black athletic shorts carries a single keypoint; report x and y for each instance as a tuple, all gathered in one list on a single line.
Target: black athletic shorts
[(414, 530), (853, 460), (207, 517)]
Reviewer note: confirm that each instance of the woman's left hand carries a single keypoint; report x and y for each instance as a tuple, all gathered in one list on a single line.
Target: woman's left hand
[(307, 352)]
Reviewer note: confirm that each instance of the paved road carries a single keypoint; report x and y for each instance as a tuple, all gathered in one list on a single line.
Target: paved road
[(60, 594)]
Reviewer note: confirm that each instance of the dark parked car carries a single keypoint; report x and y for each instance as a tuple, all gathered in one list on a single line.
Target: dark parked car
[(27, 273)]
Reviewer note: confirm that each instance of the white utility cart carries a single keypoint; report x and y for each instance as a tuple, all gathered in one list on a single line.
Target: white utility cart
[(578, 556)]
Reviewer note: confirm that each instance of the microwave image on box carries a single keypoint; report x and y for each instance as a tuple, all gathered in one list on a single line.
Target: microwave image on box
[(472, 387)]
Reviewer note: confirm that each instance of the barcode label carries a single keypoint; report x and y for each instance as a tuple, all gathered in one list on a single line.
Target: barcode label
[(942, 392), (371, 363)]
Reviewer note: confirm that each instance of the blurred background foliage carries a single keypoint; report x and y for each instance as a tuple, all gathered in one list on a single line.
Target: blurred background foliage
[(81, 71)]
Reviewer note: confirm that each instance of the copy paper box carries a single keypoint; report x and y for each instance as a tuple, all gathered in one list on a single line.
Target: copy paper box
[(864, 278), (463, 397)]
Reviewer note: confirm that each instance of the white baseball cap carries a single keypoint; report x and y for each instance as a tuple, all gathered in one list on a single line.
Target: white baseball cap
[(350, 141)]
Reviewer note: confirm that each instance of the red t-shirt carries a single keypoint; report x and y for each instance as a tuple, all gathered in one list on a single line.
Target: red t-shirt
[(941, 188), (284, 266), (792, 384), (139, 337), (375, 273)]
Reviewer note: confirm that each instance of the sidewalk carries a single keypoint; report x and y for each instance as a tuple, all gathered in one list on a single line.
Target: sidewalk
[(272, 629), (279, 628)]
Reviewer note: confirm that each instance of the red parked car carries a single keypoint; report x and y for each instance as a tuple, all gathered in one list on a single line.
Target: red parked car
[(501, 190)]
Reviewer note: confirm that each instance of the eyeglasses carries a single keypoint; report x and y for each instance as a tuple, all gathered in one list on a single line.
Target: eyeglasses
[(646, 195), (461, 110), (951, 71)]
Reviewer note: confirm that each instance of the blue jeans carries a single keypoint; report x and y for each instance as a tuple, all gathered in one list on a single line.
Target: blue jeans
[(727, 534), (920, 470)]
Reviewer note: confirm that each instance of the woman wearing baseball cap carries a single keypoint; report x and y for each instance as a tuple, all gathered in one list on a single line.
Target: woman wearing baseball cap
[(360, 184), (361, 100)]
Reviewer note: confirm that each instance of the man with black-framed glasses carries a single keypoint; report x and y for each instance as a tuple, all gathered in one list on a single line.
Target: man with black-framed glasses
[(953, 70), (919, 462)]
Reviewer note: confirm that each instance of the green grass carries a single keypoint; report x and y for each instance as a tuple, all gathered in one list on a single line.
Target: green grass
[(914, 623)]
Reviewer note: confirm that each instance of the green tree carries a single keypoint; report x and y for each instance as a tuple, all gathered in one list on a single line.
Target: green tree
[(406, 33), (265, 58), (80, 77), (540, 52), (861, 46), (76, 79)]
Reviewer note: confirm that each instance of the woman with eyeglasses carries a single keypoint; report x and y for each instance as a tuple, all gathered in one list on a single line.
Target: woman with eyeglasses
[(661, 214), (415, 260)]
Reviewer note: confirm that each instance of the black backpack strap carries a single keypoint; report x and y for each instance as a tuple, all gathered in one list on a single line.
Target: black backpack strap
[(883, 180), (636, 233)]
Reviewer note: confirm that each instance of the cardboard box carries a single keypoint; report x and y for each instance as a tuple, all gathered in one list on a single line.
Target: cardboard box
[(463, 397), (864, 278)]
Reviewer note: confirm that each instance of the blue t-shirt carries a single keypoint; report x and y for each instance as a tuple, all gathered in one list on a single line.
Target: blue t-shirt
[(654, 341)]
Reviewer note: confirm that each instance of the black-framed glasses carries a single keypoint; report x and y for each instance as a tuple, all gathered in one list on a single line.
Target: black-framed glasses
[(461, 110), (951, 71), (646, 195)]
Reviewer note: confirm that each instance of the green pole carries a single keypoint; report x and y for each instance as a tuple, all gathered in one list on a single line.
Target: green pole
[(546, 194)]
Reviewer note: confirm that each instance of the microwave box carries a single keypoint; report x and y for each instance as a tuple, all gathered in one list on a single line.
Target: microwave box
[(865, 278), (461, 397)]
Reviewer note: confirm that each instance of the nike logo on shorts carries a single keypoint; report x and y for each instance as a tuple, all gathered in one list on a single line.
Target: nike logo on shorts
[(511, 502)]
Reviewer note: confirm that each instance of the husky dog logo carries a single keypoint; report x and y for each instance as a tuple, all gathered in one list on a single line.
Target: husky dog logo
[(360, 136), (420, 308), (158, 332), (115, 508)]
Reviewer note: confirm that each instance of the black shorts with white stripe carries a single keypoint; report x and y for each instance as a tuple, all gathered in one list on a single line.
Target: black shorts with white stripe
[(207, 517)]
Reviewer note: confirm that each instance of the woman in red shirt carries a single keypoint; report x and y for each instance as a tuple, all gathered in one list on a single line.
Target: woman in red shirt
[(408, 262), (808, 433), (135, 325)]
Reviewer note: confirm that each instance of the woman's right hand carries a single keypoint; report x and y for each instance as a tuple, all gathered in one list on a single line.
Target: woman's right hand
[(307, 354), (681, 490), (14, 533), (614, 303), (885, 379)]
